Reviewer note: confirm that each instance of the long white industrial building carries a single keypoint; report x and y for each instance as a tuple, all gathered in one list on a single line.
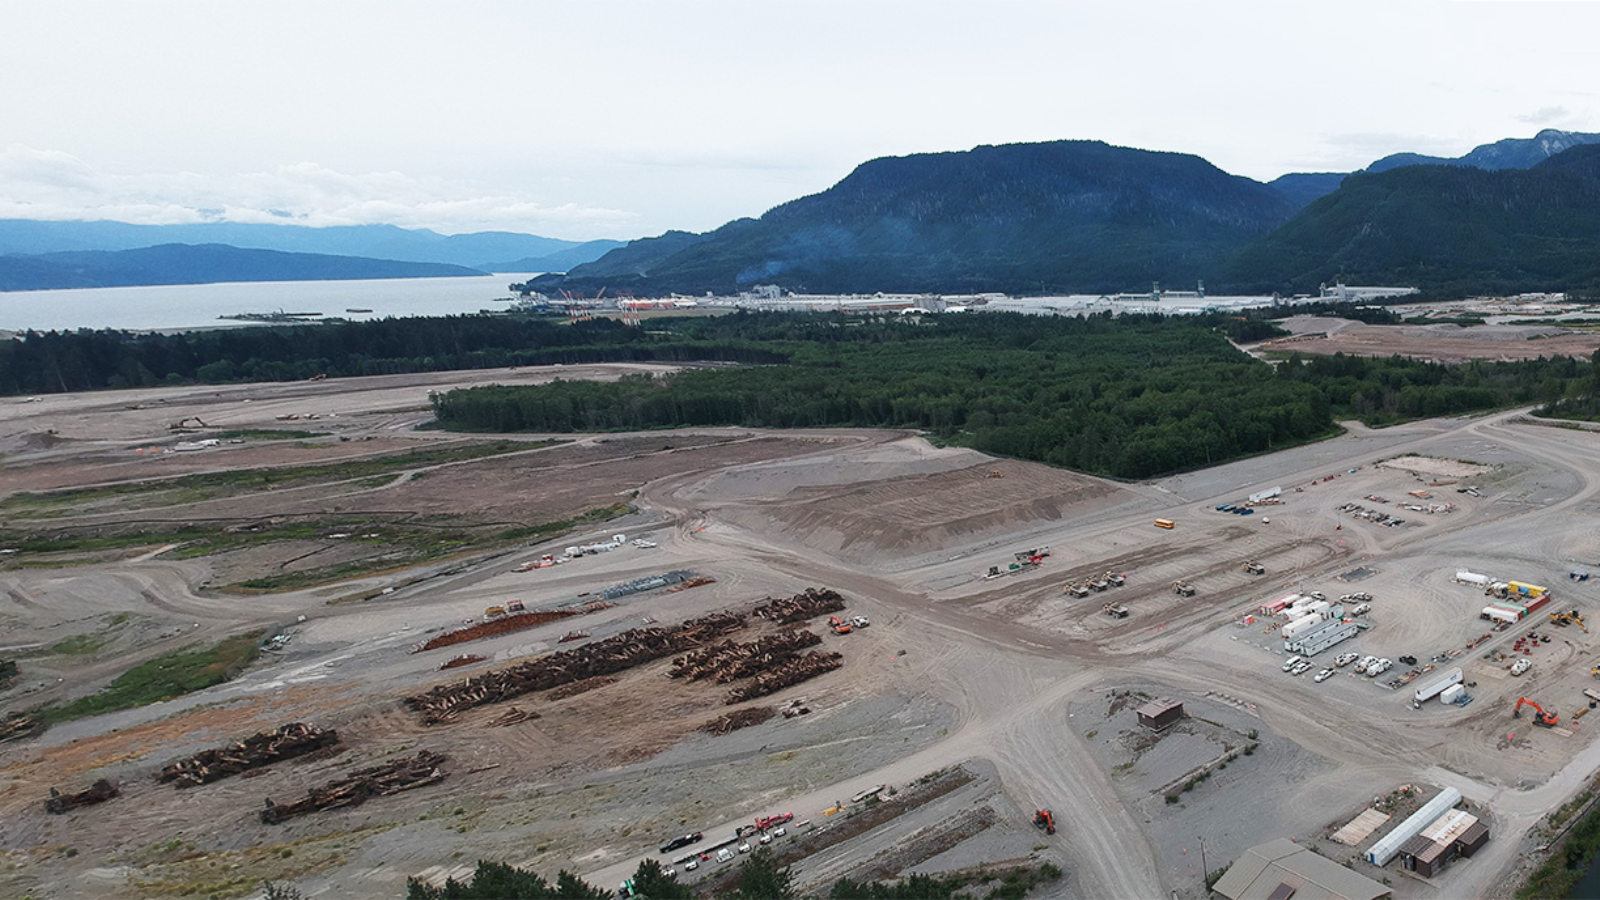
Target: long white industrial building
[(1387, 846)]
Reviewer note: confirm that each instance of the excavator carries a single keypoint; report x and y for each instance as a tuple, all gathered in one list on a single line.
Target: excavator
[(1540, 717), (1045, 819), (1572, 617)]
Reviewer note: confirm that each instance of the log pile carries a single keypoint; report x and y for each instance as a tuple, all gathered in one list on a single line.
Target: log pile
[(512, 716), (99, 792), (606, 657), (734, 721), (465, 659), (260, 749), (580, 687), (505, 625), (814, 602), (359, 786), (688, 583), (789, 672), (18, 726), (730, 661)]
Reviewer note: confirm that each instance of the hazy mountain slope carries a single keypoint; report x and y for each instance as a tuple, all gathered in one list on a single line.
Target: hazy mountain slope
[(1066, 215), (199, 264), (1511, 153), (27, 236), (560, 261), (1449, 228)]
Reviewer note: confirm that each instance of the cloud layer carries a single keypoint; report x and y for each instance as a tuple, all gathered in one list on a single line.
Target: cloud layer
[(50, 184)]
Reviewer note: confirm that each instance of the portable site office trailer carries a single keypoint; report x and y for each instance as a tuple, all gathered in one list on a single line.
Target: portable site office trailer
[(1466, 577), (1319, 608), (1320, 639), (1299, 626), (1526, 589), (1496, 614), (1438, 685), (1275, 607)]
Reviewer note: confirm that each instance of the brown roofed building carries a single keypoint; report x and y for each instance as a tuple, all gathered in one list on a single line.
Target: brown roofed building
[(1281, 869), (1159, 714)]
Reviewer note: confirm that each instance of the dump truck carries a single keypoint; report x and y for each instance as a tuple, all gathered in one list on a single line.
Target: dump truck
[(1254, 568), (1076, 590), (1115, 610), (1183, 588), (1046, 820)]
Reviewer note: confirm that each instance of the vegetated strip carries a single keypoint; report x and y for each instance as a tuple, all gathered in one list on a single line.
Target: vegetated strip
[(203, 486), (1572, 852), (163, 678), (1126, 397)]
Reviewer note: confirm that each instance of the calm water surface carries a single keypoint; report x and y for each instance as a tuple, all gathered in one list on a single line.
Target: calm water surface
[(199, 305)]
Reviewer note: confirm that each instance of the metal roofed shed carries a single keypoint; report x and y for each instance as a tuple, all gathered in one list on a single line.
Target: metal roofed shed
[(1389, 845), (1159, 714), (1282, 868)]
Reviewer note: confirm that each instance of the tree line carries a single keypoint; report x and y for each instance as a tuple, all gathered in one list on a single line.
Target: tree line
[(1128, 397)]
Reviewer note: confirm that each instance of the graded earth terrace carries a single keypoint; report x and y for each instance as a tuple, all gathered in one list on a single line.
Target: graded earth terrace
[(900, 656)]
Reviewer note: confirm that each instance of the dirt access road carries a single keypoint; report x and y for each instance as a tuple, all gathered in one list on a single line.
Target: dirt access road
[(955, 667)]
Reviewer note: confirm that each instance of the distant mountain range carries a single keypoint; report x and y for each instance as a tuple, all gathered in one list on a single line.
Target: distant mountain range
[(1083, 216), (199, 264), (490, 251)]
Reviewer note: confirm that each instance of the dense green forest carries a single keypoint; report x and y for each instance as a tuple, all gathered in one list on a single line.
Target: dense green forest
[(39, 363), (1129, 397)]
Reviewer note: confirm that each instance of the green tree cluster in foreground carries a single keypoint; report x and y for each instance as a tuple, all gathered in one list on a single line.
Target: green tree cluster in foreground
[(1129, 397)]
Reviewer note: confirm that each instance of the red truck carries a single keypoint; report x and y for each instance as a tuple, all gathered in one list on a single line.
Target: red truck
[(765, 822)]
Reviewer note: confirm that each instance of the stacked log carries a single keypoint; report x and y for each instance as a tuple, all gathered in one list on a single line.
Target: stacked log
[(687, 583), (17, 726), (465, 659), (505, 625), (730, 661), (357, 787), (786, 673), (260, 749), (512, 716), (581, 687), (814, 602), (99, 792), (734, 721), (607, 657)]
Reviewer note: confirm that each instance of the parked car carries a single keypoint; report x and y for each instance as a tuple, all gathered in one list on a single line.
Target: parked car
[(744, 846), (681, 841), (724, 855), (860, 621), (780, 831), (1291, 663), (1361, 610), (1322, 676), (765, 838), (1345, 659), (1301, 667), (669, 871), (1521, 666), (1378, 668), (1365, 663), (691, 865)]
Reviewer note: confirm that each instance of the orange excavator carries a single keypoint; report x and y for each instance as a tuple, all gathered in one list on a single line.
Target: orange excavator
[(1540, 717), (1045, 819)]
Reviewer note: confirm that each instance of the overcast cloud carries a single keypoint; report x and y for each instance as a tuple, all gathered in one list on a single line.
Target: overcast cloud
[(620, 118)]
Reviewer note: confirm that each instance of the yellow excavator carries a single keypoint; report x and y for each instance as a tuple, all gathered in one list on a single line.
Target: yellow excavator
[(1571, 617)]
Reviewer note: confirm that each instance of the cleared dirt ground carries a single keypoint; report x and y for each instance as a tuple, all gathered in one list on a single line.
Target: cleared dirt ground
[(1439, 343), (1030, 689)]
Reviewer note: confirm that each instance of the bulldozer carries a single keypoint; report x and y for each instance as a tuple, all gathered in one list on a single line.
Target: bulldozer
[(1046, 820), (1540, 716), (1254, 568), (1572, 617), (1183, 588)]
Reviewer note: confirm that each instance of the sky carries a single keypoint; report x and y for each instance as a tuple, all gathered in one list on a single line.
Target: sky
[(626, 118)]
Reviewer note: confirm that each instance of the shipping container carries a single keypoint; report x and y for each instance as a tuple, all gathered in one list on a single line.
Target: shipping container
[(1496, 614), (1452, 693), (1165, 523), (1526, 589), (1538, 602)]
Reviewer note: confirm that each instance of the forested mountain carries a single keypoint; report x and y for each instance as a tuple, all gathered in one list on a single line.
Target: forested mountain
[(1060, 216), (1447, 228), (478, 250), (203, 264), (1304, 187)]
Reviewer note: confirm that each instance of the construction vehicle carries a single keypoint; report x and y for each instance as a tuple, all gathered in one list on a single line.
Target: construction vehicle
[(1254, 568), (515, 606), (1166, 523), (1117, 579), (1571, 617), (1115, 610), (995, 473), (1046, 820), (1099, 584), (1183, 588), (1077, 590), (494, 612), (1540, 717), (838, 625)]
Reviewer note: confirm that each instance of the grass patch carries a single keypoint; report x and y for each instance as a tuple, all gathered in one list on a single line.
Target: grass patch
[(268, 434), (214, 485), (167, 676), (1566, 865), (77, 645)]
